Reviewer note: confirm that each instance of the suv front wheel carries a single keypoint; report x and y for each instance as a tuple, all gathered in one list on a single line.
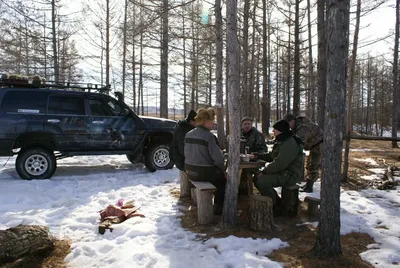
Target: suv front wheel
[(158, 157), (35, 163)]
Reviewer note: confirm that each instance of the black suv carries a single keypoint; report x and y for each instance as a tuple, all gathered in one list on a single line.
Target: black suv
[(42, 124)]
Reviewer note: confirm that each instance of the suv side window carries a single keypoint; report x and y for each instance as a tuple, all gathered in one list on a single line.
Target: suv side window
[(105, 108), (66, 105), (33, 102)]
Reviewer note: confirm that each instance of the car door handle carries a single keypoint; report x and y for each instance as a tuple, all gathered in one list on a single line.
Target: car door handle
[(53, 120), (98, 122)]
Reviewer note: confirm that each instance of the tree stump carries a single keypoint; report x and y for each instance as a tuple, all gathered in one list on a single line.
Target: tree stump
[(290, 200), (261, 215), (184, 184), (24, 240), (313, 203)]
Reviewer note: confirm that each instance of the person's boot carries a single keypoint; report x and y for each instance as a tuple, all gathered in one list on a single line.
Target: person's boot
[(308, 187)]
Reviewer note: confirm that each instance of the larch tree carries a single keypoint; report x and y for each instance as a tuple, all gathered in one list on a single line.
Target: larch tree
[(322, 61), (328, 237), (233, 54), (395, 109)]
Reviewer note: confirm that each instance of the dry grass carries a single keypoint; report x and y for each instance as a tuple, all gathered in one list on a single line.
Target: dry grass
[(56, 259)]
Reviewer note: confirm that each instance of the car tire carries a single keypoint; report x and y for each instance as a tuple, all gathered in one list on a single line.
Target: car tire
[(158, 158), (35, 163)]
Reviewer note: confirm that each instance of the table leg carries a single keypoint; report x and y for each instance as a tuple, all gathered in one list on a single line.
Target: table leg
[(250, 184)]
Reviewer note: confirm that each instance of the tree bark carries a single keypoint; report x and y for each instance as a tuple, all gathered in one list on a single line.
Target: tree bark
[(260, 213), (322, 62), (107, 42), (218, 73), (396, 93), (53, 29), (164, 63), (350, 91), (266, 99), (296, 76), (23, 240), (245, 94), (124, 48), (311, 84), (230, 203), (328, 237)]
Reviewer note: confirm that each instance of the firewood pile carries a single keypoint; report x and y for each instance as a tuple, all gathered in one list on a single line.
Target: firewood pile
[(387, 181)]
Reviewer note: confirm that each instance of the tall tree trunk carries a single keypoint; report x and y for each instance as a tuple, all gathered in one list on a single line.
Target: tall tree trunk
[(227, 119), (245, 98), (277, 83), (230, 203), (396, 93), (107, 42), (184, 65), (164, 63), (134, 61), (328, 237), (368, 118), (140, 94), (266, 101), (296, 76), (289, 65), (218, 73), (322, 62), (53, 29), (124, 48), (311, 84), (349, 122)]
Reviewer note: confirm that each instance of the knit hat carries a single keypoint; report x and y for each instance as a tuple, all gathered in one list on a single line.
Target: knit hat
[(289, 117), (246, 118), (191, 115), (281, 125)]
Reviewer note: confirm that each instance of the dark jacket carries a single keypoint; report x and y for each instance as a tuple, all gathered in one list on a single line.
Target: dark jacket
[(177, 149), (202, 150), (255, 140), (286, 156)]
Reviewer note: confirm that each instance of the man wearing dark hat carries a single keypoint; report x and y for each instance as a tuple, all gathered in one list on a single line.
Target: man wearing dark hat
[(180, 131), (312, 136), (286, 164)]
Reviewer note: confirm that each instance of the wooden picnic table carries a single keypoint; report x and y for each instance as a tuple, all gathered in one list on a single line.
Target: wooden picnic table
[(250, 165)]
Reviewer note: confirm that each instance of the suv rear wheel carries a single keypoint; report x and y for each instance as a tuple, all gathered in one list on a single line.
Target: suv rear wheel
[(158, 158), (35, 163)]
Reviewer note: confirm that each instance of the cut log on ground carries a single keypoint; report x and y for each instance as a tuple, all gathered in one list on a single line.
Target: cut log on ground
[(261, 215), (290, 200), (24, 240), (184, 184)]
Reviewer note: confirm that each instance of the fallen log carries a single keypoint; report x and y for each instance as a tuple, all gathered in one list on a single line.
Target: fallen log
[(16, 243)]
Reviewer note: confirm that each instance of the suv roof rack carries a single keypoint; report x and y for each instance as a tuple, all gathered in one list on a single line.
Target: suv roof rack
[(37, 82)]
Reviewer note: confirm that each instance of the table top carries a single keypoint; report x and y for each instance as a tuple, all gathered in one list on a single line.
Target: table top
[(252, 164)]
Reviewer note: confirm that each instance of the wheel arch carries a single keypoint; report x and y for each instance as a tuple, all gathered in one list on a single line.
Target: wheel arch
[(36, 139)]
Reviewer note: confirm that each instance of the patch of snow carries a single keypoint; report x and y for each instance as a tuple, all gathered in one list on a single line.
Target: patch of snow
[(369, 161)]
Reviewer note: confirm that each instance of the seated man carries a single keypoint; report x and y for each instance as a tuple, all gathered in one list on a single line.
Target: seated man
[(203, 158), (286, 164), (255, 142)]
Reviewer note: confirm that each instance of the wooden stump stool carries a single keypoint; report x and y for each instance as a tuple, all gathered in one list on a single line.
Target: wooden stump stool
[(290, 200), (184, 184), (313, 204), (261, 215), (193, 195)]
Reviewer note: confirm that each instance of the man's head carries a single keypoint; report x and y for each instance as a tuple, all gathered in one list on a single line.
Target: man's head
[(190, 118), (247, 124), (280, 127), (291, 119)]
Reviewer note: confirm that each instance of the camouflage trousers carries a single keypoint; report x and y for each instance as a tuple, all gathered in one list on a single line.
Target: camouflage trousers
[(314, 163)]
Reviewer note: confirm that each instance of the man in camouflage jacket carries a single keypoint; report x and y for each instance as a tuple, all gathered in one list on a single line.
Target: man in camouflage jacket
[(312, 135), (255, 141)]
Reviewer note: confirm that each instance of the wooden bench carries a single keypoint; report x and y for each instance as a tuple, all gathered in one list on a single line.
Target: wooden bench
[(312, 207), (290, 200), (184, 184), (203, 197)]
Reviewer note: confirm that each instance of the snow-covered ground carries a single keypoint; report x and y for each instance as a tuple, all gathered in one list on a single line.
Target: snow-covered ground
[(69, 204)]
